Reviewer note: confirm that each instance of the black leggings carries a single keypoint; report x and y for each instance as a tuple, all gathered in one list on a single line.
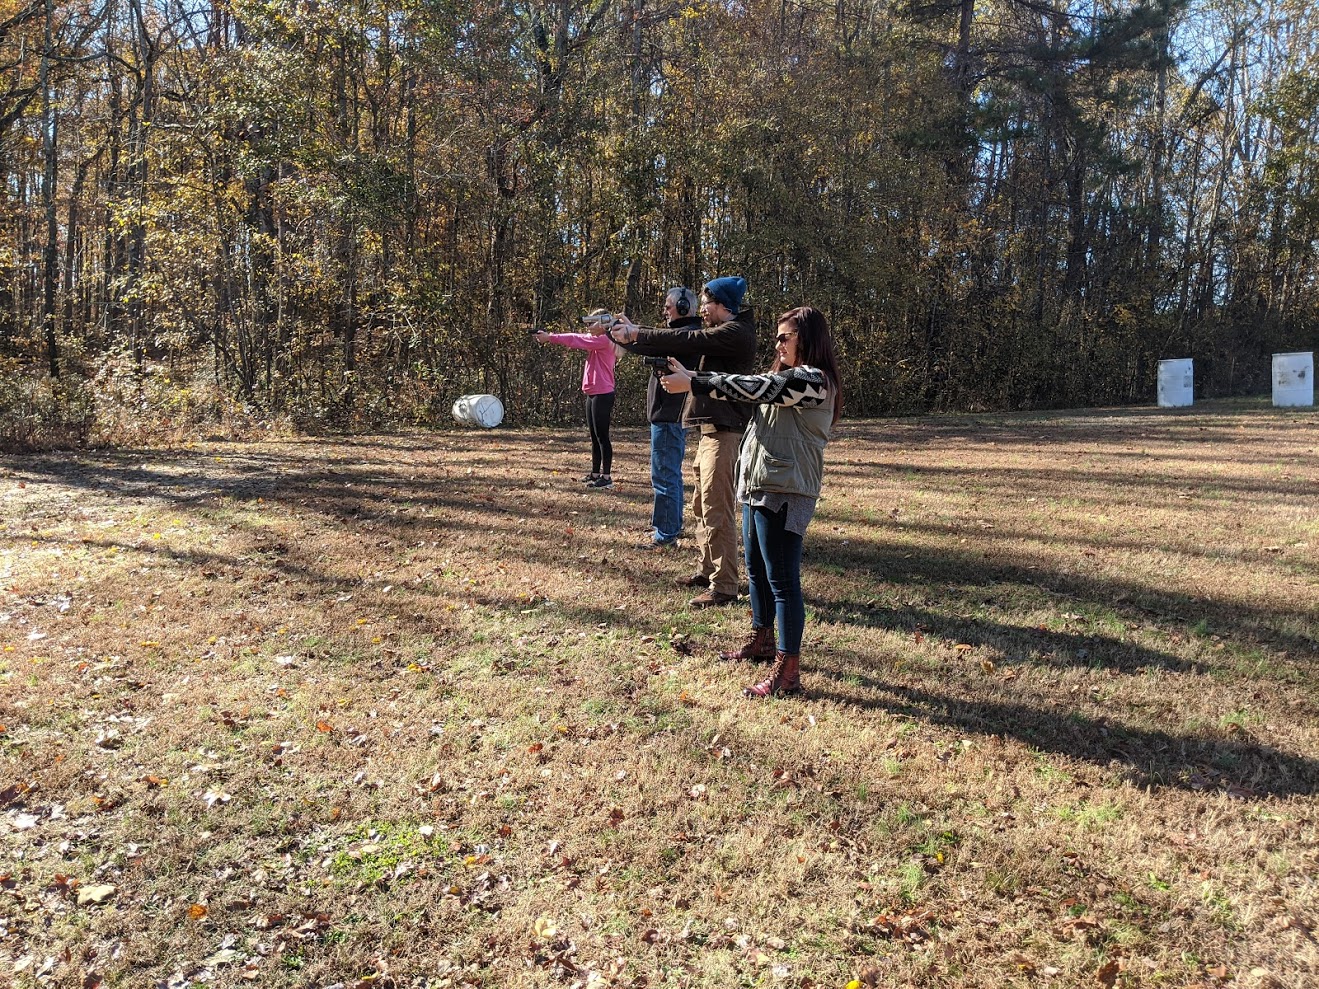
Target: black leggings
[(599, 410)]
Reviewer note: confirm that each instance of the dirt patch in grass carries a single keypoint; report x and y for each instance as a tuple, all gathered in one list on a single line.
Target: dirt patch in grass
[(416, 710)]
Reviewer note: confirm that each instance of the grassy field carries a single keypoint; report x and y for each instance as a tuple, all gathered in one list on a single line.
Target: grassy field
[(416, 711)]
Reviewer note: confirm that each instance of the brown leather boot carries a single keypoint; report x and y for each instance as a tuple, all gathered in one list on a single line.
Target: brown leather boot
[(783, 680), (758, 647)]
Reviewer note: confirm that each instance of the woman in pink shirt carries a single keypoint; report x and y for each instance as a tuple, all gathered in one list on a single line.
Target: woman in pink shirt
[(598, 386)]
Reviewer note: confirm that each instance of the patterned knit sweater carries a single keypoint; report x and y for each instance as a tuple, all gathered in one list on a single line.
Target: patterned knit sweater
[(803, 385)]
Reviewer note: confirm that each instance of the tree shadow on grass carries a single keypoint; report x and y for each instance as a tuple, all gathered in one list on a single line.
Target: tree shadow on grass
[(1017, 644), (1076, 482), (884, 563), (1245, 769), (385, 489), (1212, 422), (528, 517)]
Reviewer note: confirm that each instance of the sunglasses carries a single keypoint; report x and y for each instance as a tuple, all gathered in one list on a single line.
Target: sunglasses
[(784, 337)]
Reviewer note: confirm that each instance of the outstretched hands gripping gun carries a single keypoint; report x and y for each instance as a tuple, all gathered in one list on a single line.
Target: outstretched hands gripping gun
[(600, 321), (622, 329), (600, 318), (677, 378)]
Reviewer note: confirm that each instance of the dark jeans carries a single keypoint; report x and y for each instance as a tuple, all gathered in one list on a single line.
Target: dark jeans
[(599, 410), (773, 558), (668, 443)]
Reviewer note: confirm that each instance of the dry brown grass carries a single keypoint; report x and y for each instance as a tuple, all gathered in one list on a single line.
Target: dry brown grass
[(411, 710)]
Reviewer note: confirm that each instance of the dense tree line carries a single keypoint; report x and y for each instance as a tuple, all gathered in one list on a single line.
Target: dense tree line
[(352, 212)]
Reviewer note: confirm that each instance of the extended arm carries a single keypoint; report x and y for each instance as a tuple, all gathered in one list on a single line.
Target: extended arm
[(725, 340), (578, 341), (804, 386)]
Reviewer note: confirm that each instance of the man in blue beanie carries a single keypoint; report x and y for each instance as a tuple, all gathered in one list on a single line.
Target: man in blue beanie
[(726, 344), (727, 291)]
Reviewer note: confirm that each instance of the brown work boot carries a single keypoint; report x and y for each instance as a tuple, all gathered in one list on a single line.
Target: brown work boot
[(783, 680), (711, 599), (758, 647), (695, 580)]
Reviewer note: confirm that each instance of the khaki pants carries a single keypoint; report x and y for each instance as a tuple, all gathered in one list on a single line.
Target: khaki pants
[(715, 510)]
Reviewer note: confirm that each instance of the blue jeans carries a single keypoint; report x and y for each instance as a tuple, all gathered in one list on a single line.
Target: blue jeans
[(668, 444), (773, 557)]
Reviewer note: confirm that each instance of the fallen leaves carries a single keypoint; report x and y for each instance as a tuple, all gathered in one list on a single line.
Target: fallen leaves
[(634, 734), (1022, 962), (95, 894), (28, 960), (912, 928), (225, 956), (15, 790)]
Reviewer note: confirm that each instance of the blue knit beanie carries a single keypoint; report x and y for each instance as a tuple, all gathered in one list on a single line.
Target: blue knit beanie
[(727, 290)]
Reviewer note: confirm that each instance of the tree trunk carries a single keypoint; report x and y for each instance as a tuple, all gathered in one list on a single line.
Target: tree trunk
[(49, 176)]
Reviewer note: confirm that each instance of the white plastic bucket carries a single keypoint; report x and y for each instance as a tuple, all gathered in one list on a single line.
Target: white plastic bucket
[(479, 410), (1176, 383), (1293, 379)]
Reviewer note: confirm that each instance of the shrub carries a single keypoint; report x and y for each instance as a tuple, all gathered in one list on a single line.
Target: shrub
[(40, 412)]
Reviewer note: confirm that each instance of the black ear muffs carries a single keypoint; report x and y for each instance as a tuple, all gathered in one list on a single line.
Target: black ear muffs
[(681, 305)]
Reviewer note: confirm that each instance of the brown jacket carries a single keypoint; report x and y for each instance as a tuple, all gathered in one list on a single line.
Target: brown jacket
[(729, 348)]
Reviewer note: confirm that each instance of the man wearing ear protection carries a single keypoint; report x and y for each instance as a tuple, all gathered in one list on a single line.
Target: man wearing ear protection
[(668, 437), (725, 344)]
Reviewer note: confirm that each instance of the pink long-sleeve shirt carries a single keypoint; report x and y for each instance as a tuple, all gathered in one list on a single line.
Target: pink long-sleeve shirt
[(598, 375)]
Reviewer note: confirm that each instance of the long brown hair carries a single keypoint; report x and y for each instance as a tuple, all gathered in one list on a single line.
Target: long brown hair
[(815, 346)]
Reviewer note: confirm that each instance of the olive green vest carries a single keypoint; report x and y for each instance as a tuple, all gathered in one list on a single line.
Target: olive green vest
[(783, 449)]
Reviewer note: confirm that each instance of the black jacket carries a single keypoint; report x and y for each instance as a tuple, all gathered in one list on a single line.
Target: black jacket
[(662, 406), (729, 348)]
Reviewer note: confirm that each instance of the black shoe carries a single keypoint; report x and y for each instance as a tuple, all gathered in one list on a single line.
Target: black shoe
[(602, 481)]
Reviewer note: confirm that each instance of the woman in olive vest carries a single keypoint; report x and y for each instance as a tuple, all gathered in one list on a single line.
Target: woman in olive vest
[(779, 472)]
